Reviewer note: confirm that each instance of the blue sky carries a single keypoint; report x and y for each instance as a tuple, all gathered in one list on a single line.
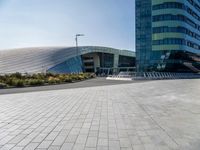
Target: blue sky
[(32, 23)]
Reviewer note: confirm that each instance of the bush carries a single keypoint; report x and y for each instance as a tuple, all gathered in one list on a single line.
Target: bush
[(65, 78), (61, 77), (16, 75), (18, 80), (8, 81), (11, 81), (35, 82), (3, 85), (54, 80), (74, 77), (81, 77), (20, 83), (49, 74), (68, 79)]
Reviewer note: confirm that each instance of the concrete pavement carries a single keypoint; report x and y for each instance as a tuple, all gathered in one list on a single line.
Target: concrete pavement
[(99, 81), (157, 115)]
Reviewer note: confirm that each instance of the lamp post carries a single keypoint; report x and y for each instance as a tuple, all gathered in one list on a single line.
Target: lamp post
[(77, 51), (76, 38)]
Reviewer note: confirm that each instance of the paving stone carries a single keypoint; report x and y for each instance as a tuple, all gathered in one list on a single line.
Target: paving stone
[(81, 139), (124, 142), (39, 138), (90, 148), (125, 148), (93, 133), (160, 115), (52, 136), (113, 136), (31, 146), (54, 148), (18, 138), (45, 144), (67, 146), (138, 147), (102, 148), (79, 147), (7, 147), (6, 139), (114, 145), (71, 138), (91, 142), (102, 142), (24, 142), (18, 148), (103, 135), (59, 140)]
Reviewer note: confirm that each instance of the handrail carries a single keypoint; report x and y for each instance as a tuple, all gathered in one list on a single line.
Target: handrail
[(167, 75)]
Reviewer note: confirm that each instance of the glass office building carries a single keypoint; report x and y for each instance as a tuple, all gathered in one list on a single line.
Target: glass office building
[(168, 35)]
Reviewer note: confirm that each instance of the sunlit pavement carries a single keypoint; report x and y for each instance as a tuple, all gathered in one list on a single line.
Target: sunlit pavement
[(99, 81), (157, 115)]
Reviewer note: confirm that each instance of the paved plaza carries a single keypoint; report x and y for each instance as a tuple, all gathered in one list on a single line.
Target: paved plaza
[(155, 115)]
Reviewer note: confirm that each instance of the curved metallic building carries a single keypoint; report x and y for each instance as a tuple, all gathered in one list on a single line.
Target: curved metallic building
[(66, 60), (168, 35)]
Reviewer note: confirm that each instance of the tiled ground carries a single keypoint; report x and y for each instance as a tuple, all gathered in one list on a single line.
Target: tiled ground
[(157, 115)]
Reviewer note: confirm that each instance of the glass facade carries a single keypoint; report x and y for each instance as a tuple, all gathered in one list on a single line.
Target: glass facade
[(168, 35), (108, 63), (106, 60), (125, 61), (72, 65), (93, 62), (143, 33)]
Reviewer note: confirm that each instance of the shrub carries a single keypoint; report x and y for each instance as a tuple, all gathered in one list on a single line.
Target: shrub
[(74, 77), (81, 77), (40, 76), (16, 82), (49, 74), (61, 77), (20, 83), (11, 81), (16, 75), (53, 80), (35, 82), (68, 79), (2, 78), (3, 85)]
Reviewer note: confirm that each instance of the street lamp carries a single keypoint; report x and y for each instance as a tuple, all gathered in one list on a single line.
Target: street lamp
[(77, 35), (77, 51)]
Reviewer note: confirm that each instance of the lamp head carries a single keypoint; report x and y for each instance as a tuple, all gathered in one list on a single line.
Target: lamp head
[(79, 34)]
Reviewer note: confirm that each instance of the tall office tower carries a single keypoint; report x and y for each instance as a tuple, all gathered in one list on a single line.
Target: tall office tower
[(168, 35)]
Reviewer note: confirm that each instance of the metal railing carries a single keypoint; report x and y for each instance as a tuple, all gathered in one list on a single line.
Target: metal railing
[(167, 75)]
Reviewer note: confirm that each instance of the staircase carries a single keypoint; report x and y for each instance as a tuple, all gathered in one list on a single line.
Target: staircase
[(126, 76), (190, 66)]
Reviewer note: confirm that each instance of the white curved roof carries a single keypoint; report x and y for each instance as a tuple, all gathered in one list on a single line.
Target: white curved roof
[(38, 59)]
